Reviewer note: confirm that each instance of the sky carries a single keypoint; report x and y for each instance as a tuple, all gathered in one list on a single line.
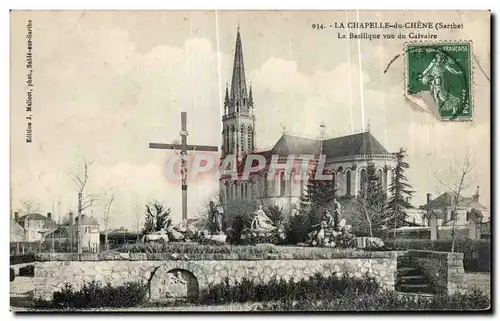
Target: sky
[(107, 83)]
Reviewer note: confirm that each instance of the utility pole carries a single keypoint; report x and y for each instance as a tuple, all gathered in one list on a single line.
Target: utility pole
[(78, 215)]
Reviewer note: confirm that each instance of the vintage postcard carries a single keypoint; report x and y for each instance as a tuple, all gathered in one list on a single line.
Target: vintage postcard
[(250, 161)]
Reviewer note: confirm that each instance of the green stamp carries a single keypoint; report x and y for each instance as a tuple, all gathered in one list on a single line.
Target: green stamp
[(439, 76)]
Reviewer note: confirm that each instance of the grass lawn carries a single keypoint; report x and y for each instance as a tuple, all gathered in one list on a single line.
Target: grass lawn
[(482, 281)]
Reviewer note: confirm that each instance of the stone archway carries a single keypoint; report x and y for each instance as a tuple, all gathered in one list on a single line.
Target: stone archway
[(173, 284)]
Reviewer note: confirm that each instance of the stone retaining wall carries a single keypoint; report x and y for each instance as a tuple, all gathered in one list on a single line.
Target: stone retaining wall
[(162, 275), (175, 275), (445, 270)]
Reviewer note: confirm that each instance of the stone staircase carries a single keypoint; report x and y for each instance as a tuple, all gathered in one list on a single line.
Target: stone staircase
[(410, 279)]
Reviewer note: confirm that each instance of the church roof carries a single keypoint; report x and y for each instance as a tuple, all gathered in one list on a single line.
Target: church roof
[(295, 145), (356, 144), (350, 145)]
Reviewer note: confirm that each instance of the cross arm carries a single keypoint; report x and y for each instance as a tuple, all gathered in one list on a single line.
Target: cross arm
[(201, 148), (165, 146)]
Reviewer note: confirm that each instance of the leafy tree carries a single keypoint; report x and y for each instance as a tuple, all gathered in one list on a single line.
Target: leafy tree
[(370, 203), (318, 194), (157, 217), (399, 189)]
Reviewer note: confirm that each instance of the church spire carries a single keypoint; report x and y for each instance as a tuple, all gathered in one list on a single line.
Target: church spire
[(250, 97), (226, 98), (238, 84)]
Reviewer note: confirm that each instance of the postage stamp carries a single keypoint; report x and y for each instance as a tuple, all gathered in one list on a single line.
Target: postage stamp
[(439, 75)]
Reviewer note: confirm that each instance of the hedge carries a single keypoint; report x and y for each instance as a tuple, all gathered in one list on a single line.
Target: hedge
[(315, 288), (477, 254), (28, 270), (320, 293), (12, 274), (19, 259), (96, 295), (386, 301)]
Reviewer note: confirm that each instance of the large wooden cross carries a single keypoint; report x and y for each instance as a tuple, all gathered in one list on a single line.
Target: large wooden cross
[(184, 147)]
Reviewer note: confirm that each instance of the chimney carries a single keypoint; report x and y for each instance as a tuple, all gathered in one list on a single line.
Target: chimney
[(49, 216), (16, 216), (429, 197), (476, 194)]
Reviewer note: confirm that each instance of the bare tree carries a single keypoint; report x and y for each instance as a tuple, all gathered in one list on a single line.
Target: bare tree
[(81, 179), (137, 220), (107, 210), (29, 206), (460, 180)]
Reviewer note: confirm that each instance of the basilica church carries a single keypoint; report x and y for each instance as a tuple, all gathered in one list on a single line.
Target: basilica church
[(346, 157)]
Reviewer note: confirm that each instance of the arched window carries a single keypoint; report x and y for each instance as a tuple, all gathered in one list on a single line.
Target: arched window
[(228, 191), (241, 191), (348, 183), (228, 134), (242, 138), (282, 184), (334, 181), (231, 140), (363, 181), (249, 138), (246, 190), (379, 177), (250, 189), (266, 185)]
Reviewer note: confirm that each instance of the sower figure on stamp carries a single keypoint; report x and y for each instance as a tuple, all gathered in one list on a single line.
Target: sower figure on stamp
[(434, 75)]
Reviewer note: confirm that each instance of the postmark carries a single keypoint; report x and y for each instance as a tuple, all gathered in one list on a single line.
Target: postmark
[(439, 78)]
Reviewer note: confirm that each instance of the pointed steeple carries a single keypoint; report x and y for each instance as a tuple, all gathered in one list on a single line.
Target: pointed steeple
[(250, 97), (226, 98), (238, 83)]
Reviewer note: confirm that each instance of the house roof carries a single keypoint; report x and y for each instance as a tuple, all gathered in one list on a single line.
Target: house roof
[(17, 233), (35, 217), (446, 200), (60, 232), (350, 145)]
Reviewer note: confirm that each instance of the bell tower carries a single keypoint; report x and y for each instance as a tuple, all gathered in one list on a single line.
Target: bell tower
[(238, 122)]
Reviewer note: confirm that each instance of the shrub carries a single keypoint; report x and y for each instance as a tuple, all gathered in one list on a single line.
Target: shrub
[(316, 287), (276, 215), (476, 252), (95, 295), (28, 270), (18, 259), (12, 274), (194, 250), (238, 224), (298, 229), (385, 301)]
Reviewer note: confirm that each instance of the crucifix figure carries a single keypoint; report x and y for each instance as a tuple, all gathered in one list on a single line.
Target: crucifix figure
[(183, 147)]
